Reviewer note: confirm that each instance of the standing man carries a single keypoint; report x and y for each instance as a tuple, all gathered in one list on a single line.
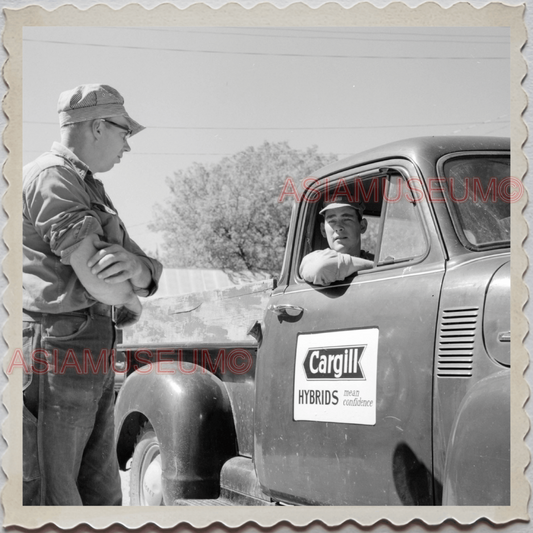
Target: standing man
[(82, 277), (342, 227)]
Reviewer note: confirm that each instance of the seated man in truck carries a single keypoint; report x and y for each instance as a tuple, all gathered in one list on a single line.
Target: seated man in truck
[(342, 227)]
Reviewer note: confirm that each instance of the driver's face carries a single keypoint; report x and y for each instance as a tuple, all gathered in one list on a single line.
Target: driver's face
[(343, 230)]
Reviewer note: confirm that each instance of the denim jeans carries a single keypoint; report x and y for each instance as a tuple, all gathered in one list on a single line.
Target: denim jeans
[(69, 453)]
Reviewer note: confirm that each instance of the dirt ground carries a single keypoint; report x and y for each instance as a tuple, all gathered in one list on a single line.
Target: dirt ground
[(125, 479)]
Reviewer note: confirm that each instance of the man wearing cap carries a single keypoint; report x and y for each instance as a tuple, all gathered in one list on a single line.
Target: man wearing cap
[(342, 227), (82, 276)]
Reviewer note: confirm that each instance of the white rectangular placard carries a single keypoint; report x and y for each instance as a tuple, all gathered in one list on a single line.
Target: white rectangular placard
[(335, 376)]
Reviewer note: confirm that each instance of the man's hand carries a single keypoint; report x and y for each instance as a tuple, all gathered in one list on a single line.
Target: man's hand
[(128, 314), (106, 293), (114, 264), (358, 263)]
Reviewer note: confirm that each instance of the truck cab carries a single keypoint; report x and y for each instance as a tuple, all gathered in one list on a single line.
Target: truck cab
[(390, 387)]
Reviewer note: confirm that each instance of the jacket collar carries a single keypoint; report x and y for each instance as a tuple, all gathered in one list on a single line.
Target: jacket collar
[(79, 166)]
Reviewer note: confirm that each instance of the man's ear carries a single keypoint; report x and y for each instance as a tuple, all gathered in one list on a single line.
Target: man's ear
[(323, 229), (97, 127), (364, 225)]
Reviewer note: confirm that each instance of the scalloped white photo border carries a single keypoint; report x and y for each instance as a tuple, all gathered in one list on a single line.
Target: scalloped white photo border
[(396, 14)]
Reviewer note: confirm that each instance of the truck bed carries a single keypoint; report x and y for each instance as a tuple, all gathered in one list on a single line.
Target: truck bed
[(219, 318)]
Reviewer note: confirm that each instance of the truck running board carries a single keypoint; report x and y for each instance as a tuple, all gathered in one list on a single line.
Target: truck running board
[(227, 499), (218, 501), (238, 486)]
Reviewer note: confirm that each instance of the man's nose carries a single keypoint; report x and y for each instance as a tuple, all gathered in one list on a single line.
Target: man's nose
[(127, 147)]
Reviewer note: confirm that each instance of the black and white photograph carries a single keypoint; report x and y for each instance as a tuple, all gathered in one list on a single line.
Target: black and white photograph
[(265, 267)]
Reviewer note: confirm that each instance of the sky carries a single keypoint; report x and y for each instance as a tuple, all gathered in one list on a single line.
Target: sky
[(204, 93)]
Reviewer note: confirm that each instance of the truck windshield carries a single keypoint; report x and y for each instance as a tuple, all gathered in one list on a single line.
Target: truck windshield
[(479, 194)]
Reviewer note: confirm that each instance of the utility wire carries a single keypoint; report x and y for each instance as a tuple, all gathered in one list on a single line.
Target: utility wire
[(428, 34), (363, 37), (133, 152), (288, 128), (265, 54), (349, 31)]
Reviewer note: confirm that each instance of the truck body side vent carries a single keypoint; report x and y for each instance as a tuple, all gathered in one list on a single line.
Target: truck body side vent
[(456, 342)]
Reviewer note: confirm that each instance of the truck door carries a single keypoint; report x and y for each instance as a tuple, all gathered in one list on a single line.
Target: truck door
[(344, 375)]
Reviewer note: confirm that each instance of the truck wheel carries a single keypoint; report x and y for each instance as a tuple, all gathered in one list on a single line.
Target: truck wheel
[(145, 477)]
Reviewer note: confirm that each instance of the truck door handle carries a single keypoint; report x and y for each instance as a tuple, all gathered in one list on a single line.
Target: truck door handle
[(287, 310), (504, 336)]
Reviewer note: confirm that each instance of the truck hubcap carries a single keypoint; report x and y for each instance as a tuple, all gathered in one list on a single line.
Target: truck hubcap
[(151, 489)]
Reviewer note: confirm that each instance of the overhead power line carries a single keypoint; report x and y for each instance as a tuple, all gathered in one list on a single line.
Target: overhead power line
[(265, 54), (349, 31), (282, 128), (364, 37), (133, 152), (425, 34), (374, 127)]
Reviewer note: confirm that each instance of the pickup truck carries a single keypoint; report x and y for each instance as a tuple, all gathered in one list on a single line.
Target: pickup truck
[(390, 387)]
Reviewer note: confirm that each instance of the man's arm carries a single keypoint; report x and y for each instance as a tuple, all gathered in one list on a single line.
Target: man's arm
[(60, 209), (323, 267), (114, 264), (118, 294)]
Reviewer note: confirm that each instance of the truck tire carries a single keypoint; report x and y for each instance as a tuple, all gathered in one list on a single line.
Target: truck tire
[(145, 474)]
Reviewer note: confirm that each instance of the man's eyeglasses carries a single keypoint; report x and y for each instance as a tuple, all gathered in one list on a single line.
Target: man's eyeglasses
[(126, 129)]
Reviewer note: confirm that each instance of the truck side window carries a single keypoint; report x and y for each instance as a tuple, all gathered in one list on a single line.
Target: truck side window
[(369, 239), (403, 235), (354, 190), (394, 233), (368, 191)]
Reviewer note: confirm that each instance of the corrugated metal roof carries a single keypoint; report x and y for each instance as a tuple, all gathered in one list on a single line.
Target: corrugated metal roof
[(177, 281)]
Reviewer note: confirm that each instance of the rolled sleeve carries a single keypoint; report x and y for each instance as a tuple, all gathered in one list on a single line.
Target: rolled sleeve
[(153, 265), (60, 211), (320, 267), (75, 234), (156, 269), (323, 267)]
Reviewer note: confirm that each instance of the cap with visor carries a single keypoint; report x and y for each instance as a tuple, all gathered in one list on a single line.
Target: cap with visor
[(343, 201), (91, 101)]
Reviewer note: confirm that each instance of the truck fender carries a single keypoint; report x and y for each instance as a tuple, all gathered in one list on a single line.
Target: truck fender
[(477, 469), (190, 411)]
